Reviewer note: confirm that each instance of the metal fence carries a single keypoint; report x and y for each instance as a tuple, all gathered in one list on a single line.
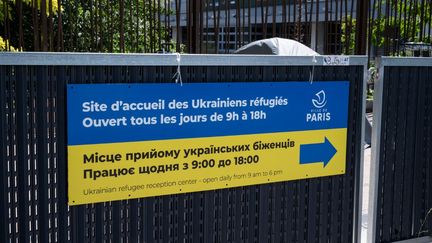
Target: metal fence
[(33, 196), (401, 166)]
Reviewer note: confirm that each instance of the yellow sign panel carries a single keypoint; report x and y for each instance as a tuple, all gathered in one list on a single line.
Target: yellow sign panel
[(115, 171)]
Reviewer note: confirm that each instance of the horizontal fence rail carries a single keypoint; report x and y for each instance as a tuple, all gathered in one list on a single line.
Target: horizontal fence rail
[(401, 169), (33, 196)]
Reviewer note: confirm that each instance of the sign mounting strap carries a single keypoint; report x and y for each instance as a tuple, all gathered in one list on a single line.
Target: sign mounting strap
[(177, 75)]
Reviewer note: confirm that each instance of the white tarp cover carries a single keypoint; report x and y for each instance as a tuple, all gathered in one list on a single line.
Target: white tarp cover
[(276, 46)]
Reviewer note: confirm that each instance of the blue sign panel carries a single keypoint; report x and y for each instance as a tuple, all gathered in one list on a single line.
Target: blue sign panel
[(109, 113)]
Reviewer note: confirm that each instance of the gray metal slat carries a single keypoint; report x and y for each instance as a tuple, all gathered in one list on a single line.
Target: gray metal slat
[(324, 210), (358, 138), (291, 210), (263, 212), (99, 208), (408, 176), (99, 222), (313, 209), (42, 157), (428, 154), (253, 214), (117, 222), (197, 216), (399, 156), (230, 215), (283, 212), (302, 208), (381, 158), (335, 212), (13, 164), (390, 156), (61, 186), (430, 143), (33, 166), (181, 216), (25, 234), (352, 170), (347, 208), (144, 234), (238, 215), (133, 222), (79, 224), (277, 212), (209, 218), (4, 157), (418, 187), (270, 202), (326, 183), (53, 163)]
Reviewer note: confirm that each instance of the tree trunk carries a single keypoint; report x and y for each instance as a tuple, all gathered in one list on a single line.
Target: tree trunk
[(361, 26), (122, 44), (5, 22), (137, 27), (238, 31), (111, 30), (178, 29), (91, 27), (20, 25), (145, 17), (44, 32), (60, 42), (50, 27), (36, 37)]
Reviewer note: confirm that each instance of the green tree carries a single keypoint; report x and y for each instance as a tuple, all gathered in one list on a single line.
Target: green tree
[(15, 16), (5, 46), (348, 35), (86, 25), (115, 26), (394, 23)]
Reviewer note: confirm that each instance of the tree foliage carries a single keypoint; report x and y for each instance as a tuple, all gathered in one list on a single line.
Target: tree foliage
[(348, 35), (102, 25), (5, 46), (393, 23), (9, 5), (407, 22), (86, 25)]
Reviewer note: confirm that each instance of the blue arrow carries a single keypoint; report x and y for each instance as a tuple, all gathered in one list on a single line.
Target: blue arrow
[(317, 153)]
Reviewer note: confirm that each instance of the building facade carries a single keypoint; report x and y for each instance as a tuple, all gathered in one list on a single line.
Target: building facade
[(222, 26)]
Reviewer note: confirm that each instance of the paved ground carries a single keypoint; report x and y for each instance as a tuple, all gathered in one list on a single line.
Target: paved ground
[(365, 203), (366, 179)]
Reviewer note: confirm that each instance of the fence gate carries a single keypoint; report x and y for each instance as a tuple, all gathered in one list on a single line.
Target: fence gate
[(33, 139), (401, 166)]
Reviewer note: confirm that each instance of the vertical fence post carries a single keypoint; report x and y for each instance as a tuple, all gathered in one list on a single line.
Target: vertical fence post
[(22, 152), (3, 159), (61, 80), (400, 172), (357, 225), (375, 154), (42, 149)]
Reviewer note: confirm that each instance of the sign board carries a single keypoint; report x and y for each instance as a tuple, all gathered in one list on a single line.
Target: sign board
[(139, 140), (336, 60)]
